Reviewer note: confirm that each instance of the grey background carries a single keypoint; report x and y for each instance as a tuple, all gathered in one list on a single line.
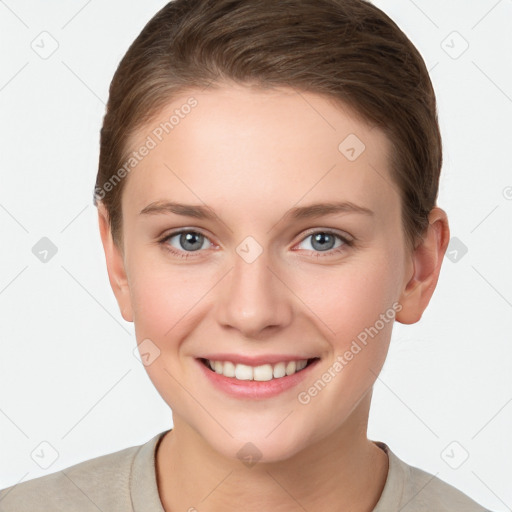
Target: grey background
[(68, 374)]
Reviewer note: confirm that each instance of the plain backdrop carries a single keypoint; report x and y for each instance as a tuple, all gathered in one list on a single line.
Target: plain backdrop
[(68, 376)]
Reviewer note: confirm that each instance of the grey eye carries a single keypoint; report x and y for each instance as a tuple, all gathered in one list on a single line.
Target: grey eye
[(322, 241), (188, 240)]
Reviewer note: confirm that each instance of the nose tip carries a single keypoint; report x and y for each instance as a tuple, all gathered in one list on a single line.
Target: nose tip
[(253, 299)]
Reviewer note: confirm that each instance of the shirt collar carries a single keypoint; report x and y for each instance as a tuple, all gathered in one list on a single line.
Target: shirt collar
[(143, 483), (393, 491)]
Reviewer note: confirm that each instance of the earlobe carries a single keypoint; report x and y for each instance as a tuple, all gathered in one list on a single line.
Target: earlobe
[(115, 265), (427, 259)]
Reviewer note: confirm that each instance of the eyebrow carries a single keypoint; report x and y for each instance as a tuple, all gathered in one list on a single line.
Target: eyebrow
[(297, 213)]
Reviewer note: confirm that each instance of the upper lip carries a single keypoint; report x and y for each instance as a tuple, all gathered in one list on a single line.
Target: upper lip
[(256, 360)]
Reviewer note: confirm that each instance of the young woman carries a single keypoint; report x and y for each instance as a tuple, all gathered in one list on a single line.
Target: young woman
[(266, 196)]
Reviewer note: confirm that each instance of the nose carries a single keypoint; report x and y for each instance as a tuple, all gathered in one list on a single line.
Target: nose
[(254, 299)]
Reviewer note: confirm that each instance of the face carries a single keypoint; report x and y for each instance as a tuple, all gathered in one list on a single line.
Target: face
[(252, 273)]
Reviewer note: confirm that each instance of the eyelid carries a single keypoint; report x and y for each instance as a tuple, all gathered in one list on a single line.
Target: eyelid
[(343, 235), (179, 231)]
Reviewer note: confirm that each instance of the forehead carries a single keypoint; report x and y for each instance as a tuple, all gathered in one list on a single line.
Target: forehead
[(276, 145)]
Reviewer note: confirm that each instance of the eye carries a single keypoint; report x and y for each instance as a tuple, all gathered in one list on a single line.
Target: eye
[(185, 241), (324, 242)]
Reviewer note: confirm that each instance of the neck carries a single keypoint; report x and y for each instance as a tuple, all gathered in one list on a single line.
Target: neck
[(343, 471)]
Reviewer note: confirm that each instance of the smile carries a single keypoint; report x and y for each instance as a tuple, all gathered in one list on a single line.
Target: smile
[(260, 373)]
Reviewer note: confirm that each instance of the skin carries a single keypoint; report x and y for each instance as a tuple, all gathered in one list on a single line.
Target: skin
[(250, 155)]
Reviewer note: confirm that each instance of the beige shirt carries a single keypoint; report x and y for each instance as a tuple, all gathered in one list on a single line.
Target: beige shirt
[(125, 481)]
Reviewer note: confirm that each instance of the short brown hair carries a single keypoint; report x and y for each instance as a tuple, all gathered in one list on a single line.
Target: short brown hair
[(347, 50)]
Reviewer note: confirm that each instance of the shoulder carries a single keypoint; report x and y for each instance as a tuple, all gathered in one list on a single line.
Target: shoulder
[(428, 492), (101, 483), (411, 489)]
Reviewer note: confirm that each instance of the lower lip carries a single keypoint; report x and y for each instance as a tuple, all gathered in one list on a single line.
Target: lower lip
[(254, 389)]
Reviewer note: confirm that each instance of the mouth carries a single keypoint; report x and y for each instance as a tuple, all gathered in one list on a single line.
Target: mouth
[(260, 373)]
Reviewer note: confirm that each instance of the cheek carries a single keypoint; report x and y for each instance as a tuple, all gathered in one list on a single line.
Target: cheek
[(351, 298), (162, 294)]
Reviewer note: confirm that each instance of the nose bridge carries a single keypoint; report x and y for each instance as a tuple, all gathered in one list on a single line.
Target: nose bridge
[(253, 297)]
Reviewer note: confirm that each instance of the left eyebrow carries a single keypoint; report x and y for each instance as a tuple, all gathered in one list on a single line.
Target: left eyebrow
[(297, 213), (321, 209)]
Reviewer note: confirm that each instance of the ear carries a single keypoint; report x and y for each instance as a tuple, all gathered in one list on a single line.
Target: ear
[(426, 262), (115, 265)]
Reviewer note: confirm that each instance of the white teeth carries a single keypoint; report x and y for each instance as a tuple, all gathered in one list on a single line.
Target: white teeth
[(242, 372), (291, 367), (263, 372), (259, 373), (228, 369), (279, 370)]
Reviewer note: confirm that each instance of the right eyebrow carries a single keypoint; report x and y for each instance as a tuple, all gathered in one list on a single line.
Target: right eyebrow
[(187, 210)]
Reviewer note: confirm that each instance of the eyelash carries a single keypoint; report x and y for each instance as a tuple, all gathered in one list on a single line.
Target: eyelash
[(318, 254)]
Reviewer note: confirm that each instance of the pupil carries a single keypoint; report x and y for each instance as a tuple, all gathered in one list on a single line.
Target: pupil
[(323, 239), (187, 241)]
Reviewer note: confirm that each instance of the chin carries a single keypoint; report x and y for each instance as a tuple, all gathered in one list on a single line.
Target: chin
[(252, 445)]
